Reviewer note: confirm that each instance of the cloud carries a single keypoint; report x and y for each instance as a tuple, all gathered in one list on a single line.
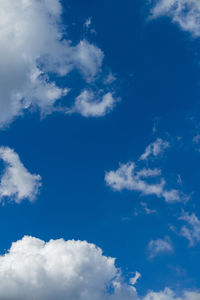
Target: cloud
[(72, 270), (88, 59), (110, 78), (33, 47), (16, 183), (155, 149), (159, 246), (168, 294), (186, 13), (134, 279), (127, 177), (67, 270), (191, 233), (147, 210), (88, 23), (89, 104), (196, 138)]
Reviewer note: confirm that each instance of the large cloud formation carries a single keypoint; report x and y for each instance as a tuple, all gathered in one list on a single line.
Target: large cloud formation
[(67, 270), (34, 46), (72, 270)]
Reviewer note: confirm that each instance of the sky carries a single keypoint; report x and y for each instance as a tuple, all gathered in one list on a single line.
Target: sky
[(99, 149)]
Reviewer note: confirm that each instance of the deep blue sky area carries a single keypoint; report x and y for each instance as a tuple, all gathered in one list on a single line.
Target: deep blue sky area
[(158, 81)]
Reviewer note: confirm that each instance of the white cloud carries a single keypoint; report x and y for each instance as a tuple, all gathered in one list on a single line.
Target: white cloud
[(16, 182), (67, 270), (168, 294), (186, 13), (159, 246), (127, 177), (155, 149), (34, 46), (134, 279), (192, 233), (88, 59), (72, 270), (90, 104)]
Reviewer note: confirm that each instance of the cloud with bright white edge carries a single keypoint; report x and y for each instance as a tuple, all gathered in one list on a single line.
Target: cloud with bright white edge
[(160, 246), (155, 149), (16, 183), (185, 13), (127, 177), (192, 231), (89, 104), (67, 270), (33, 46)]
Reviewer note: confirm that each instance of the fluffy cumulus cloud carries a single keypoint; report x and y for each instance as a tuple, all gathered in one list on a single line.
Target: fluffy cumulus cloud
[(16, 183), (33, 46), (186, 13), (159, 246), (67, 270), (72, 270), (127, 177), (191, 231)]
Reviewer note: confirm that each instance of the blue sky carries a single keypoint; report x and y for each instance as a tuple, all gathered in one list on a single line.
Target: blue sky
[(76, 118)]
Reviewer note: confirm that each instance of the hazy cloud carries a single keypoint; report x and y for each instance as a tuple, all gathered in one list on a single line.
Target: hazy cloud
[(159, 246)]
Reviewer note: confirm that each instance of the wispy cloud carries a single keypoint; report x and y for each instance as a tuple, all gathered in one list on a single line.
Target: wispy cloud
[(88, 22), (160, 246), (16, 183), (155, 149), (186, 13), (148, 210), (191, 231), (127, 177), (147, 181), (88, 25)]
